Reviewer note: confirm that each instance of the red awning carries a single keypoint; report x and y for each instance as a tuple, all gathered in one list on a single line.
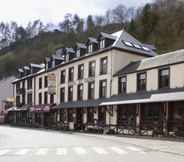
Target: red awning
[(40, 108)]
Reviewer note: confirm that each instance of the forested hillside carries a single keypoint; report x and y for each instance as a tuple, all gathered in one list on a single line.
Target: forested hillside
[(160, 23)]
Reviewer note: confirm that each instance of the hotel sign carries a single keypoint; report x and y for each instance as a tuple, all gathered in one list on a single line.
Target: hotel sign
[(51, 83)]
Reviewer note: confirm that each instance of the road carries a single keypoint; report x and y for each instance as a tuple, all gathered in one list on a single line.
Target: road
[(31, 145)]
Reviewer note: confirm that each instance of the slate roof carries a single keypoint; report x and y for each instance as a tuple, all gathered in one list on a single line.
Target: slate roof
[(153, 62), (126, 37)]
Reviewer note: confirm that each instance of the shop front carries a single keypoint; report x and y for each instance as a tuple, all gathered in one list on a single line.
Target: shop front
[(176, 118), (126, 119), (151, 120)]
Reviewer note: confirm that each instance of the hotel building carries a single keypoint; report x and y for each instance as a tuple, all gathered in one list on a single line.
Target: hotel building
[(110, 84)]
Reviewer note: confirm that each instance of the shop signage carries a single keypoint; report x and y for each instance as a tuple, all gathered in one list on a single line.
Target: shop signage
[(51, 83)]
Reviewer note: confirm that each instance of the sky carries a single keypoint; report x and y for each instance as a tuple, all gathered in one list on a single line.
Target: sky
[(23, 11)]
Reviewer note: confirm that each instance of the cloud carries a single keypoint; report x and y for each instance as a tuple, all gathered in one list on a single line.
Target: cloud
[(24, 11)]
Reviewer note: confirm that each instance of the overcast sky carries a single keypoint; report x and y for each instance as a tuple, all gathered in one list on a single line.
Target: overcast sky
[(53, 11)]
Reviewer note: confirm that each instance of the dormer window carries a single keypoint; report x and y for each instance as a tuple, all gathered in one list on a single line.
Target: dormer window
[(90, 48), (78, 52), (102, 44)]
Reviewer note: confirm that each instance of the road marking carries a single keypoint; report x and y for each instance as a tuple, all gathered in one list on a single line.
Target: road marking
[(80, 150), (42, 151), (22, 152), (61, 151), (3, 152), (135, 149), (118, 150), (99, 150)]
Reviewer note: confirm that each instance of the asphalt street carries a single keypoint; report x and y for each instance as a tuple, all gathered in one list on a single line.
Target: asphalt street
[(31, 145)]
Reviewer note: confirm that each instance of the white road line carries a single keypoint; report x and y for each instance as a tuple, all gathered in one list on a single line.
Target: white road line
[(3, 152), (80, 150), (118, 150), (22, 152), (61, 151), (135, 149), (99, 150), (42, 151)]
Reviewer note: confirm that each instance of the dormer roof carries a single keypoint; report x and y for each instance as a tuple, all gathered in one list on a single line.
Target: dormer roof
[(20, 70), (69, 50), (106, 35), (92, 40), (26, 67), (81, 45), (37, 65)]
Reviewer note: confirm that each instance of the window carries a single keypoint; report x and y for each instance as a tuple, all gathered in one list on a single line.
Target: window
[(29, 99), (62, 76), (103, 89), (40, 83), (103, 66), (81, 71), (18, 87), (51, 98), (23, 99), (45, 82), (102, 115), (102, 43), (71, 74), (62, 95), (90, 115), (70, 93), (40, 98), (122, 85), (29, 83), (141, 81), (70, 115), (90, 48), (91, 90), (23, 84), (80, 92), (45, 98), (17, 101), (164, 78), (92, 66)]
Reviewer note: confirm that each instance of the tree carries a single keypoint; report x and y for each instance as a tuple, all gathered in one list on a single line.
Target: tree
[(120, 14), (67, 25), (78, 24), (21, 34), (90, 25)]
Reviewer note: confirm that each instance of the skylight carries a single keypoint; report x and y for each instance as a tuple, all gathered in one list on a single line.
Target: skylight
[(145, 48), (129, 44), (137, 46)]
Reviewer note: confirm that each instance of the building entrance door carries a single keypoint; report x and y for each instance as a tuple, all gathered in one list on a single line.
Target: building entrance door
[(102, 116), (79, 118)]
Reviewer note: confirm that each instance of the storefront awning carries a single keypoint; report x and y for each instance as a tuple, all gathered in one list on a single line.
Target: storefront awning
[(81, 104), (146, 98), (40, 109), (14, 108)]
